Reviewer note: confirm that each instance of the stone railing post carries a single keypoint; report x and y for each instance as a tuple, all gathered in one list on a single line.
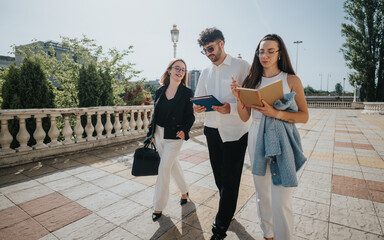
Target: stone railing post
[(54, 132), (117, 124), (39, 133), (23, 135), (108, 124), (5, 136), (67, 130), (99, 126), (89, 129), (132, 122), (146, 121), (79, 130), (125, 124), (139, 121)]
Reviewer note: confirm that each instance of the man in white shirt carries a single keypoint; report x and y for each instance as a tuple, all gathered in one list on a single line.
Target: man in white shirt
[(226, 133)]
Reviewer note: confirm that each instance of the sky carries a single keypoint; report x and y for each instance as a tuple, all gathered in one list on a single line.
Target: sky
[(146, 25)]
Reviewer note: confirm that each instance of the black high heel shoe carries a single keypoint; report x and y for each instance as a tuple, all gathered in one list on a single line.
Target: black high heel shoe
[(156, 216), (184, 200)]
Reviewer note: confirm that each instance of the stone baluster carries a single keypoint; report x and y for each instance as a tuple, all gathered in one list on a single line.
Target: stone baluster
[(117, 124), (5, 137), (99, 126), (146, 121), (125, 124), (108, 124), (39, 133), (89, 129), (79, 130), (132, 122), (67, 130), (54, 132), (23, 135), (139, 121)]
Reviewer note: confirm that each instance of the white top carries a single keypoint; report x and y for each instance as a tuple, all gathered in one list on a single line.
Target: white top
[(216, 81), (256, 115)]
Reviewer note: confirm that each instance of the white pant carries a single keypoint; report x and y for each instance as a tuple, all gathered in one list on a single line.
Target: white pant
[(169, 165), (274, 202)]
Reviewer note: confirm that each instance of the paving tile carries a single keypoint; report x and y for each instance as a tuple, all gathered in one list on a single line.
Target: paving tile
[(39, 168), (146, 180), (127, 174), (99, 200), (27, 229), (144, 197), (49, 177), (90, 227), (202, 218), (143, 226), (353, 204), (192, 177), (201, 169), (377, 196), (80, 191), (127, 188), (78, 169), (91, 175), (121, 211), (182, 230), (44, 204), (108, 181), (175, 211), (64, 183), (12, 215), (195, 159), (119, 233), (17, 186), (5, 202), (199, 194), (348, 173), (240, 229), (338, 232), (207, 182), (312, 195), (62, 216), (310, 228), (249, 211), (113, 168), (100, 163), (350, 187), (28, 194), (358, 220), (10, 178), (310, 209)]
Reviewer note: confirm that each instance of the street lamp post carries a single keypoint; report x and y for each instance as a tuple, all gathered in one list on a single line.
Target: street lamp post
[(343, 88), (175, 38), (321, 81), (297, 52), (329, 75)]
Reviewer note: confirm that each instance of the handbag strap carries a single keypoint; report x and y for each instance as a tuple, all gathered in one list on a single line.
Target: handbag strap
[(150, 145)]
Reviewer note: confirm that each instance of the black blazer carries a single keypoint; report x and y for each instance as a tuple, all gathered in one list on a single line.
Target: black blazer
[(181, 117)]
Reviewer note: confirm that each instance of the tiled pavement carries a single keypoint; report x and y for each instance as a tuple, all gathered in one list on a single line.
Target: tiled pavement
[(92, 195)]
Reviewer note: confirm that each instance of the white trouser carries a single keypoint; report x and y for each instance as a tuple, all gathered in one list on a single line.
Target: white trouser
[(169, 165), (274, 202)]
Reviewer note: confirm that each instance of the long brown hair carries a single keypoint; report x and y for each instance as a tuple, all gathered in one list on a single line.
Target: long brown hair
[(253, 79), (165, 78)]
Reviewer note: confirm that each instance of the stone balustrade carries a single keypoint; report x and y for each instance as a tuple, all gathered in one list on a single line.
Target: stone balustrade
[(72, 136), (373, 107), (323, 104)]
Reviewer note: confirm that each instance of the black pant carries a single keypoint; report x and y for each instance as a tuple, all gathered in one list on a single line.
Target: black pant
[(227, 159)]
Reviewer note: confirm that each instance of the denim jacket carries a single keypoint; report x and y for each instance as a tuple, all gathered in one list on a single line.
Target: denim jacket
[(280, 142)]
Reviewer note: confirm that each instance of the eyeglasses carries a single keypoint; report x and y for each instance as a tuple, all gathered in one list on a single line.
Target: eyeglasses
[(268, 53), (178, 69), (208, 49)]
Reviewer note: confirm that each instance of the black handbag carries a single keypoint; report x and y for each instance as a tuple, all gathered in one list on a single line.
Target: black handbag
[(146, 161)]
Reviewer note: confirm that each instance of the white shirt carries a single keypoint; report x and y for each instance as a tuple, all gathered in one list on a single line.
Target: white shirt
[(216, 81)]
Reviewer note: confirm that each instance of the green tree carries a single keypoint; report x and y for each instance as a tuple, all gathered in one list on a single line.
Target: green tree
[(338, 89), (90, 86), (65, 71), (364, 46), (27, 87)]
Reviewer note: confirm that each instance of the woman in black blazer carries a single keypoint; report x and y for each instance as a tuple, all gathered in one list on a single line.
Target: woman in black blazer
[(172, 119)]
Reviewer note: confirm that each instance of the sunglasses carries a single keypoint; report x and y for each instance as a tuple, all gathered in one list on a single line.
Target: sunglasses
[(208, 49)]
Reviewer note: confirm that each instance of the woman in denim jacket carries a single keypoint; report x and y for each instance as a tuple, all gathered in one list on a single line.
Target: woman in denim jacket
[(274, 198)]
